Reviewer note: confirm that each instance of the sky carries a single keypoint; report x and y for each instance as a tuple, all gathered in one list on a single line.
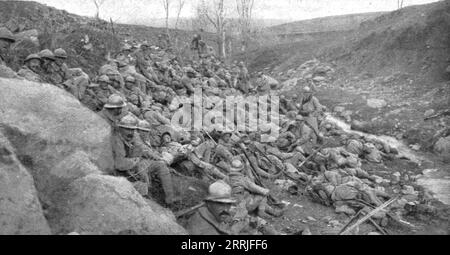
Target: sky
[(140, 11)]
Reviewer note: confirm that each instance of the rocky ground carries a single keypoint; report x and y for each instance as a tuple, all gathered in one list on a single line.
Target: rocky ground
[(385, 106)]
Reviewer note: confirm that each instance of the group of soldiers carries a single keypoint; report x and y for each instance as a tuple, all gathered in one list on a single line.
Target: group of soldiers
[(134, 91)]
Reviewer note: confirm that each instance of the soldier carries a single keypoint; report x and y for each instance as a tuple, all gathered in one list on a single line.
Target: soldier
[(339, 157), (75, 80), (6, 39), (195, 161), (60, 61), (304, 134), (113, 110), (133, 105), (287, 105), (116, 80), (91, 100), (132, 158), (130, 87), (154, 117), (249, 196), (195, 43), (31, 69), (243, 79), (150, 136), (310, 108), (202, 49), (48, 68), (341, 186), (212, 218), (186, 80), (172, 151), (104, 90), (223, 152)]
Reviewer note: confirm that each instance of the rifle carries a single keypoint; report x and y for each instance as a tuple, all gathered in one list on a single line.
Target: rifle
[(441, 113), (189, 210), (312, 155), (270, 161), (206, 132), (255, 173)]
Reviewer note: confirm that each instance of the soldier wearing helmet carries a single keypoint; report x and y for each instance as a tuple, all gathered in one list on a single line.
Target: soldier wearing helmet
[(250, 196), (6, 39), (137, 160), (49, 68), (311, 109), (60, 56), (104, 90), (243, 79), (74, 80), (113, 111), (91, 99), (31, 69), (48, 59), (212, 218)]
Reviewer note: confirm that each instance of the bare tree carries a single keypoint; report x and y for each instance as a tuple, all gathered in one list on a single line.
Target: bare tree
[(98, 5), (215, 13), (180, 7), (400, 4), (245, 11), (166, 4)]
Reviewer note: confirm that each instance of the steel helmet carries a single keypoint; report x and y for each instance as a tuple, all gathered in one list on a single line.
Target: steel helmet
[(143, 125), (130, 79), (103, 78), (47, 54), (307, 89), (32, 56), (115, 101), (60, 53), (128, 122), (189, 70), (236, 165), (220, 192), (5, 34)]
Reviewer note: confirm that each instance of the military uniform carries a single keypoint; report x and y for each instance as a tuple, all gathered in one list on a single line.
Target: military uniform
[(129, 158), (29, 74), (310, 109), (111, 119), (204, 223)]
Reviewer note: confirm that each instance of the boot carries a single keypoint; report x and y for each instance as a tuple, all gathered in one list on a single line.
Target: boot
[(274, 212), (166, 181)]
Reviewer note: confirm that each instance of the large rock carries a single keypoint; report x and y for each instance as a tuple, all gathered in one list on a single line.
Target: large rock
[(55, 137), (20, 210), (67, 148), (100, 204)]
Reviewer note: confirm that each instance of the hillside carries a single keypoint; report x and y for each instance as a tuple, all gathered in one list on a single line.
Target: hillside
[(325, 24), (86, 40), (400, 57), (414, 39)]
